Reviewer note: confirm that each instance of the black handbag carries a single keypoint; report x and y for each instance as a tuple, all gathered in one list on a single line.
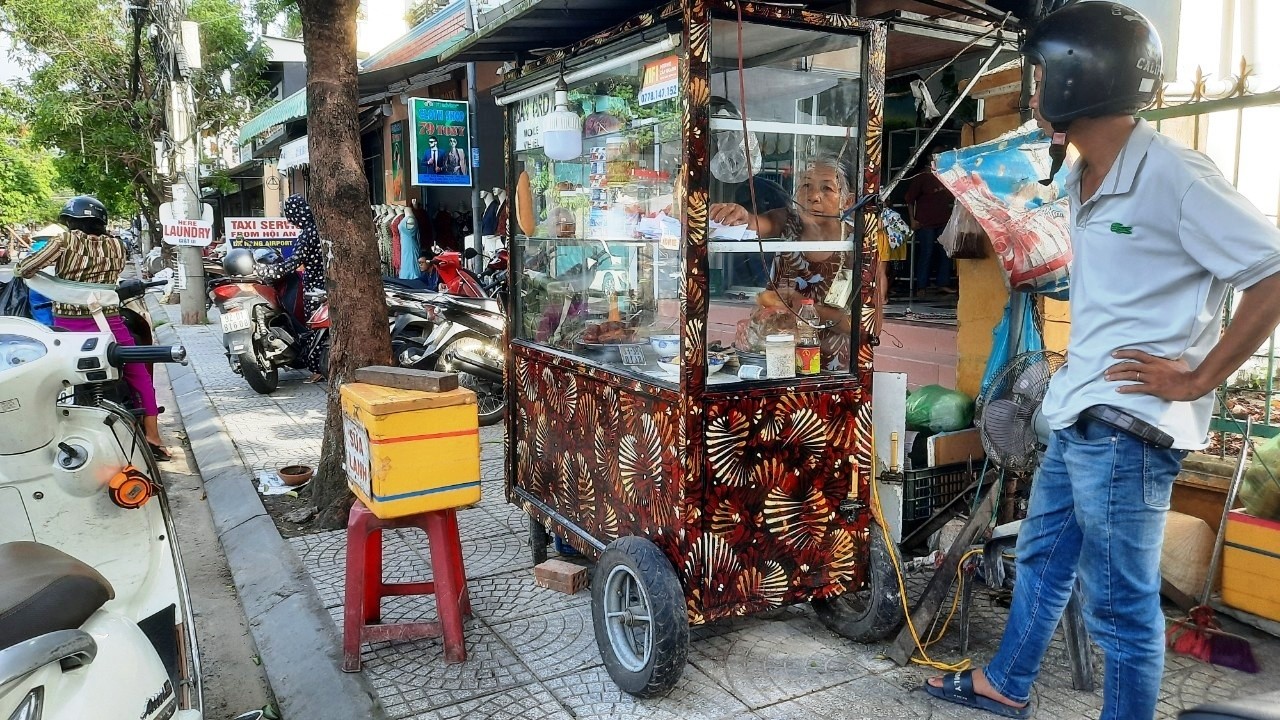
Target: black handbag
[(15, 300)]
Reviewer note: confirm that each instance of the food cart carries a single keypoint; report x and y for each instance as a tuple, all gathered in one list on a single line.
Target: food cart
[(653, 424)]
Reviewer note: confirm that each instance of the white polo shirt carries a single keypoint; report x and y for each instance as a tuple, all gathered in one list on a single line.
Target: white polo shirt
[(1154, 252)]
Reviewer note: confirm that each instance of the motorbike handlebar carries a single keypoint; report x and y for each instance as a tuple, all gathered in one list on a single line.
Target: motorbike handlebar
[(121, 354)]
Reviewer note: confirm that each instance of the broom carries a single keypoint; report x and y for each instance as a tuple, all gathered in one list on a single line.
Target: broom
[(1199, 635)]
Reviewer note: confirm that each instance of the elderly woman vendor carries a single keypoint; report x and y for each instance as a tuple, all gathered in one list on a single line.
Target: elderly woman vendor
[(821, 194)]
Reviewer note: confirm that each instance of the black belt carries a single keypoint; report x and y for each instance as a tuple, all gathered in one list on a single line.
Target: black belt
[(1121, 420)]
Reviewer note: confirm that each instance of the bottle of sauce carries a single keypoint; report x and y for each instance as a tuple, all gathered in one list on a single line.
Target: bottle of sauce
[(808, 348)]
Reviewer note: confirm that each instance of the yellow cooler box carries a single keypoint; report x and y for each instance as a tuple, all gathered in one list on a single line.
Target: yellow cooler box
[(409, 451), (1251, 565)]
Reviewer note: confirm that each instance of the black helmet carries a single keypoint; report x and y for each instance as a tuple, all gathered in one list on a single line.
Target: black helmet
[(239, 262), (1098, 58), (84, 213)]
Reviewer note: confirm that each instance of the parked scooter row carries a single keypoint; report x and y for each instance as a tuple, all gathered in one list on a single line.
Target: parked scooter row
[(95, 619)]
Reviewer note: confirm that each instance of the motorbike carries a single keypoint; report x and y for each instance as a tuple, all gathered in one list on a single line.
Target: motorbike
[(447, 333), (95, 617), (128, 299), (264, 327)]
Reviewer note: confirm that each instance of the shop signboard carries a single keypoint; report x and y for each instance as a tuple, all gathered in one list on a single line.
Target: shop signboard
[(396, 181), (440, 142), (661, 80), (294, 153), (183, 232), (260, 233), (528, 116)]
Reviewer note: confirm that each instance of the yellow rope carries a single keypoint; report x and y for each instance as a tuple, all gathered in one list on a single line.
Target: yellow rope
[(924, 658)]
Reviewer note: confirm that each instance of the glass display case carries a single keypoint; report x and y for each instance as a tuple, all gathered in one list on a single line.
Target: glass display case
[(602, 237)]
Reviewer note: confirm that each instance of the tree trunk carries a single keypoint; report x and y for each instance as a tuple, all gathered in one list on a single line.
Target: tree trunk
[(339, 196)]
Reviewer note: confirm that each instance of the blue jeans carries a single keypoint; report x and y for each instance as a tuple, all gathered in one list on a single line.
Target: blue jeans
[(931, 259), (1097, 510)]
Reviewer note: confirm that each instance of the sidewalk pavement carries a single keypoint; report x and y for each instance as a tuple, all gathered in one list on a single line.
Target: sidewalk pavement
[(532, 652)]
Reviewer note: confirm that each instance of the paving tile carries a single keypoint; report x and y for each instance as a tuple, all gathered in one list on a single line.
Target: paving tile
[(867, 698), (412, 677), (529, 702), (767, 662), (591, 695), (555, 643)]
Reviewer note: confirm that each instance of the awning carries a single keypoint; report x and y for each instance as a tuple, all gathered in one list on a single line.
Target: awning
[(290, 108), (523, 26), (417, 52)]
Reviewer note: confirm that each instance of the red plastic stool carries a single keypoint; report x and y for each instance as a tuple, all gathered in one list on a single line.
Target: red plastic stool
[(362, 612)]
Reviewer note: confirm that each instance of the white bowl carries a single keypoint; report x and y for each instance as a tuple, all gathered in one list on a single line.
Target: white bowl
[(665, 346), (672, 367)]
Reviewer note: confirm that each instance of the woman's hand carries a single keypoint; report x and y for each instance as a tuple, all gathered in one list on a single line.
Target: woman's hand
[(729, 214)]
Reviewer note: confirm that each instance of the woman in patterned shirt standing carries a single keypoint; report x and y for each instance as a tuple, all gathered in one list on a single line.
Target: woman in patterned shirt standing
[(86, 253)]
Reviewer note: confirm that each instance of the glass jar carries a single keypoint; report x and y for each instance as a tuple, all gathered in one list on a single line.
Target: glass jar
[(780, 356)]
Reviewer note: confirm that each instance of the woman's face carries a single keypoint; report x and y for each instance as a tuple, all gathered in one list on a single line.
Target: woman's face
[(819, 191)]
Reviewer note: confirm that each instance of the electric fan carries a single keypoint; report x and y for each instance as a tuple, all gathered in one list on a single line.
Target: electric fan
[(1007, 411)]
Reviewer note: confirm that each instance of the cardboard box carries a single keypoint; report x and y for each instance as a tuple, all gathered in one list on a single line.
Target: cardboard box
[(561, 576), (1251, 565), (409, 451)]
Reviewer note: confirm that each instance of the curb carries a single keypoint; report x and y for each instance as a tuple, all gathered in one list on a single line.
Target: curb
[(294, 633)]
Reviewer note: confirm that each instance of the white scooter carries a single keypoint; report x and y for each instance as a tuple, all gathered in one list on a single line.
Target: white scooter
[(95, 617)]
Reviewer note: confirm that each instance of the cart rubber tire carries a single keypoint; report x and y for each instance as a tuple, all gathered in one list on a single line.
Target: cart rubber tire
[(874, 612), (538, 540), (636, 564), (263, 383)]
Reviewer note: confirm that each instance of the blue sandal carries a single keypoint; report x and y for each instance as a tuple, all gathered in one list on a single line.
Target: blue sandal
[(958, 688)]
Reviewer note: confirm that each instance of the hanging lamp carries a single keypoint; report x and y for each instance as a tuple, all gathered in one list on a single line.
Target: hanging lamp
[(562, 128)]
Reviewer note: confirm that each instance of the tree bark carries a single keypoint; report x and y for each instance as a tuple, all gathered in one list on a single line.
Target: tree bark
[(339, 196)]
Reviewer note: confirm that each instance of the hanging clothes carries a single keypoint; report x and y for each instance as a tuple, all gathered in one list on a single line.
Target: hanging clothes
[(426, 235), (504, 212), (489, 222), (445, 237), (381, 224), (408, 248), (395, 244)]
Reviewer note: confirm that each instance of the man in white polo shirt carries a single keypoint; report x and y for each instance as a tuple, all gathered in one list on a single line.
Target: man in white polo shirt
[(1158, 235)]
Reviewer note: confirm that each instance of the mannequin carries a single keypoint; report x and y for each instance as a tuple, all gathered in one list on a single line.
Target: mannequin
[(503, 214), (489, 222), (409, 228), (381, 217), (426, 234)]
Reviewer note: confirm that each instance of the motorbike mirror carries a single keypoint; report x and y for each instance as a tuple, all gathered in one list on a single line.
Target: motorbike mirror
[(469, 253)]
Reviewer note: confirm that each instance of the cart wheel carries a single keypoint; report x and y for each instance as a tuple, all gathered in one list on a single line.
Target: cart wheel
[(638, 608), (538, 540), (873, 612)]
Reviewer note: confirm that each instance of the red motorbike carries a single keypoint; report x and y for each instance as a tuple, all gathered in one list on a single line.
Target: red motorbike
[(264, 325)]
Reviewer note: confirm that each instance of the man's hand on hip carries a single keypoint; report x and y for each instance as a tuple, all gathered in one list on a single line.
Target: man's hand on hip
[(1172, 380)]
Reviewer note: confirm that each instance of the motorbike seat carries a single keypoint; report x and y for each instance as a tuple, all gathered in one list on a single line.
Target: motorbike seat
[(45, 590)]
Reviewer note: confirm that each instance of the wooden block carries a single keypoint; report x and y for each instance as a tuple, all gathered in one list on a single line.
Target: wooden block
[(407, 378), (955, 447), (561, 576)]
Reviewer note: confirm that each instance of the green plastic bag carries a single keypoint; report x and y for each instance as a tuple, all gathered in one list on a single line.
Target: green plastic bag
[(939, 409), (1260, 488)]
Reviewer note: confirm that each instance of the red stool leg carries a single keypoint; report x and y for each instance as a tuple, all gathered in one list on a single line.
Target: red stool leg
[(373, 576), (450, 584), (353, 599), (451, 529)]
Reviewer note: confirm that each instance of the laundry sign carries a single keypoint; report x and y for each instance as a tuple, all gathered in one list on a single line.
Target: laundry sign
[(182, 232), (661, 80)]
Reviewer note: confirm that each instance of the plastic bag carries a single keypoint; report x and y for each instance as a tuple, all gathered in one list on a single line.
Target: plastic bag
[(895, 227), (939, 409), (14, 299), (1260, 489), (963, 238)]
